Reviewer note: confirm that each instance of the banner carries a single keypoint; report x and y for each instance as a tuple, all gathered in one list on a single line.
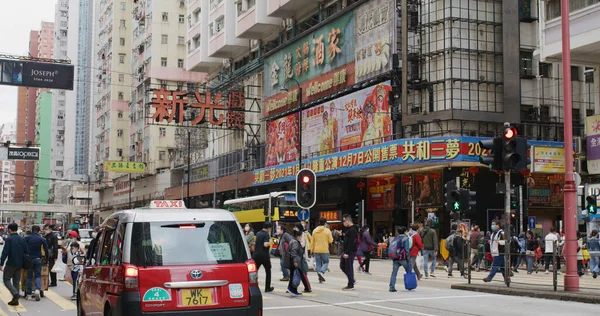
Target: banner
[(36, 74), (592, 132), (23, 153), (413, 151), (359, 119), (124, 166), (547, 159), (381, 193), (282, 140)]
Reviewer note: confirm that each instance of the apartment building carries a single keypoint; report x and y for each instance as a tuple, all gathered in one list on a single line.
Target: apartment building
[(8, 134), (41, 191)]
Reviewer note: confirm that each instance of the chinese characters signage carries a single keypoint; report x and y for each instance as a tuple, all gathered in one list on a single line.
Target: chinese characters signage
[(170, 106), (330, 216), (381, 193), (592, 132), (123, 186), (545, 190), (373, 39), (548, 159), (282, 140), (359, 119), (124, 166)]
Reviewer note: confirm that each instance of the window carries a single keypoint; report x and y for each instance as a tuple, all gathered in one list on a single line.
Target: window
[(117, 252), (122, 41), (121, 77), (197, 41), (164, 39), (545, 70), (165, 17), (162, 155), (163, 62), (189, 21), (525, 10), (526, 64), (218, 242), (119, 133), (119, 152), (59, 163), (219, 22), (123, 6), (181, 18), (106, 241), (575, 73), (163, 84), (211, 29), (122, 23), (120, 96), (181, 40), (162, 131), (120, 114), (179, 63), (588, 74), (121, 58)]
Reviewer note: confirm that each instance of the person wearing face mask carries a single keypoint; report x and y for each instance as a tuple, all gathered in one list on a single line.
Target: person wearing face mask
[(497, 244), (249, 235), (52, 241)]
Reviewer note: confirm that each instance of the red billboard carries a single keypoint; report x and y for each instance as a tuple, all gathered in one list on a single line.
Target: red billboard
[(282, 140), (381, 193)]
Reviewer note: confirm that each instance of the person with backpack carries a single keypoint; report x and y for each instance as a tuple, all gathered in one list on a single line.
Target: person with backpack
[(449, 245), (399, 252), (35, 245), (457, 253), (430, 247), (497, 244)]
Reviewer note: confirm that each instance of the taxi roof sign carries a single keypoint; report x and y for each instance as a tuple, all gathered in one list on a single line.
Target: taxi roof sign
[(167, 204)]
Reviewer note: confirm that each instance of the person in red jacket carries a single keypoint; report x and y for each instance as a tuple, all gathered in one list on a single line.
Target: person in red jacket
[(417, 246)]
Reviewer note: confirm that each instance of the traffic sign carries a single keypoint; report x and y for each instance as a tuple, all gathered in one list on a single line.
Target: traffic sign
[(303, 214), (532, 221)]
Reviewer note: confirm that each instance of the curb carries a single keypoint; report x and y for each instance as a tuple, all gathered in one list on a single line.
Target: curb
[(557, 296)]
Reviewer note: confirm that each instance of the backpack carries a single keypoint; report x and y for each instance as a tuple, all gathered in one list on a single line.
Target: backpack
[(398, 249), (450, 242)]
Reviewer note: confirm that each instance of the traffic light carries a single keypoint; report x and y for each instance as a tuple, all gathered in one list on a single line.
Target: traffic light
[(494, 160), (306, 188), (467, 200), (510, 157), (452, 197), (358, 211), (591, 206), (524, 161), (514, 201)]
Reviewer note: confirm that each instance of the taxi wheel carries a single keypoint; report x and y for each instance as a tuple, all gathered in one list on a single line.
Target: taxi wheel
[(79, 307)]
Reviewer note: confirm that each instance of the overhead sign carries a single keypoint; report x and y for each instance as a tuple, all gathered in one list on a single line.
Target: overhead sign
[(167, 204), (547, 159), (592, 132), (23, 153), (36, 74), (124, 166), (401, 151)]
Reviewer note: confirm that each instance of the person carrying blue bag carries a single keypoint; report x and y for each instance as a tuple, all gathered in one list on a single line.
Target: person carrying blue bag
[(399, 253)]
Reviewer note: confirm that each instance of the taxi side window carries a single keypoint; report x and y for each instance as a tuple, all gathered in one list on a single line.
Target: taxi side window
[(92, 253), (105, 247), (117, 250)]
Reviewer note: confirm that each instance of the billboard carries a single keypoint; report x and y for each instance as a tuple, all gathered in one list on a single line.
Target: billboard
[(23, 153), (381, 192), (592, 132), (547, 159), (358, 119), (282, 140), (36, 74), (124, 166)]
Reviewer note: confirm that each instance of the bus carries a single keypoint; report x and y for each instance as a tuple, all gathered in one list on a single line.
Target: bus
[(273, 207)]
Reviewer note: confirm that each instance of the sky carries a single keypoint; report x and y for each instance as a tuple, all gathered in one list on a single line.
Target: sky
[(17, 18)]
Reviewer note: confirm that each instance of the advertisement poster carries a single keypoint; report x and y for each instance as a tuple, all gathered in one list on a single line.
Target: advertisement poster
[(424, 189), (359, 119), (548, 159), (36, 74), (592, 132), (282, 140), (373, 39), (381, 193), (545, 190)]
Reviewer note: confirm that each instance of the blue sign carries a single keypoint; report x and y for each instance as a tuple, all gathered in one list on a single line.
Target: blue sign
[(303, 214), (532, 221)]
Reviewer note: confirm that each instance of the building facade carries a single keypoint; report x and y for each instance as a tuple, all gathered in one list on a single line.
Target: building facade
[(8, 134), (43, 167)]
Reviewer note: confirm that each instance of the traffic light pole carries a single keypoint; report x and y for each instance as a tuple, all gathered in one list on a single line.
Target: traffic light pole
[(507, 228)]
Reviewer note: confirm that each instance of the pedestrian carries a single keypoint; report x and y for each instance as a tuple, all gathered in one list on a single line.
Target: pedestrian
[(449, 245), (457, 254), (295, 253), (593, 244), (349, 251), (284, 242), (519, 251), (261, 254), (474, 244), (497, 244), (35, 244), (417, 246), (366, 247), (52, 242), (249, 235), (321, 239), (304, 261), (359, 254), (74, 251), (430, 247), (580, 246), (306, 239), (551, 243), (14, 252), (531, 245), (399, 252)]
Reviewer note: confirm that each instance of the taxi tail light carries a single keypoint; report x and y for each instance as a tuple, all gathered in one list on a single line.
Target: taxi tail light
[(252, 272), (130, 274)]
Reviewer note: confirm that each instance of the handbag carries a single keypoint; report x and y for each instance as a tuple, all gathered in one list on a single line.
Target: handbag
[(297, 278), (304, 265)]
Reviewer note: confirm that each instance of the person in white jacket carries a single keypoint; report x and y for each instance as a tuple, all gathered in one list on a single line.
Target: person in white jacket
[(497, 244)]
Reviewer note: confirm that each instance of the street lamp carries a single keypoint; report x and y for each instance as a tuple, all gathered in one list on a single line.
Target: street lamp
[(299, 119)]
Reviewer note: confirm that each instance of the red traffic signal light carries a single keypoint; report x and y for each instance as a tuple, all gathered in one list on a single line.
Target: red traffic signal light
[(306, 179), (510, 133), (306, 188)]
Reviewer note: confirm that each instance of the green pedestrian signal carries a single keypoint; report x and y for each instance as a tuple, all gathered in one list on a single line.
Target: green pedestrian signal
[(456, 206), (592, 206)]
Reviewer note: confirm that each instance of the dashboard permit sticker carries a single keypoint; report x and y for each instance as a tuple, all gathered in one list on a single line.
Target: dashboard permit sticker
[(236, 291), (156, 294), (221, 251)]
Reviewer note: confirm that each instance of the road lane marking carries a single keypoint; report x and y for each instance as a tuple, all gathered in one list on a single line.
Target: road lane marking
[(6, 296), (379, 301), (60, 301), (396, 309)]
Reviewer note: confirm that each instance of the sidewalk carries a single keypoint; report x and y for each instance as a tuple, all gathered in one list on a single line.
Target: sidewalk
[(583, 296)]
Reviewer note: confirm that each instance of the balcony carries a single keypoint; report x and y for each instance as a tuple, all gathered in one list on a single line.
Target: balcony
[(225, 45), (585, 32), (198, 60), (289, 8), (254, 23)]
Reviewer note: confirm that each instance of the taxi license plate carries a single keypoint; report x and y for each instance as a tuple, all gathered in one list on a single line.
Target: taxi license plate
[(197, 297)]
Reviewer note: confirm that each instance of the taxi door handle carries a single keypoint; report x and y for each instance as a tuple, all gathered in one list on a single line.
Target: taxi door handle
[(92, 277)]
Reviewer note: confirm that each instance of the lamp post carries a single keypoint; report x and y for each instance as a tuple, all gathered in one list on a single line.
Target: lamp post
[(299, 119)]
